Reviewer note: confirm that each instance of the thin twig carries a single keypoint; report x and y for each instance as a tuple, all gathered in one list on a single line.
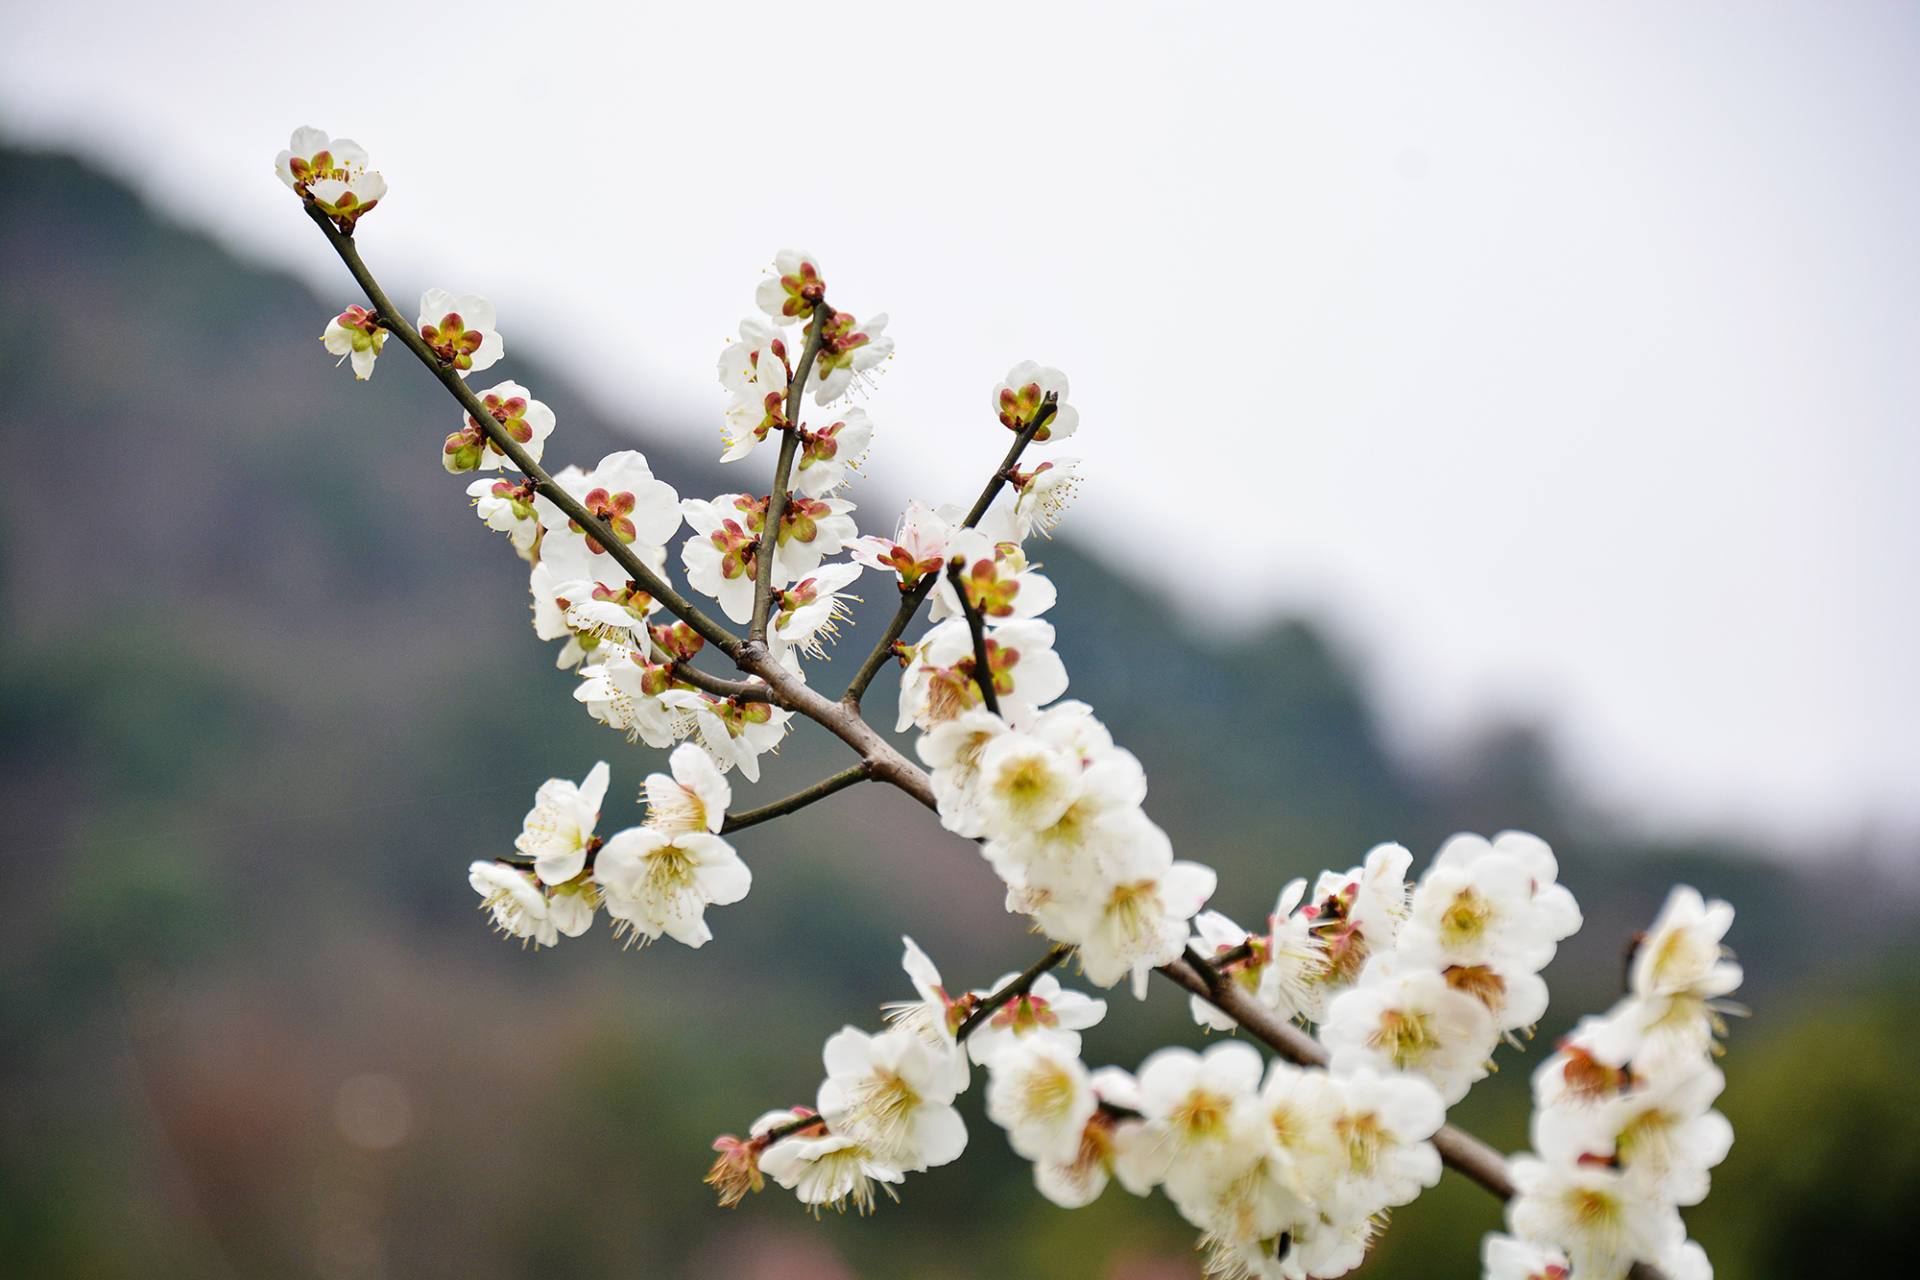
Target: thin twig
[(798, 800), (782, 473), (637, 569), (720, 687), (1015, 988), (982, 665), (911, 601)]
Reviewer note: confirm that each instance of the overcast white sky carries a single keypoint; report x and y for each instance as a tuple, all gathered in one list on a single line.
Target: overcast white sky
[(1566, 356)]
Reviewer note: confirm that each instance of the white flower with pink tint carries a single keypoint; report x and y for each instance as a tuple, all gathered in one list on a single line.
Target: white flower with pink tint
[(459, 330), (1019, 396), (794, 289), (355, 334)]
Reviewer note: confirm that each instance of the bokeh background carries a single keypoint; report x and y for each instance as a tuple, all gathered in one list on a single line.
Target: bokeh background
[(1495, 416)]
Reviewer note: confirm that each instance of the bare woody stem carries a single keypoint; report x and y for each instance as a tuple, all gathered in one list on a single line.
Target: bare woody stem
[(1017, 987), (976, 625), (637, 569), (782, 473), (719, 687), (911, 601), (798, 800)]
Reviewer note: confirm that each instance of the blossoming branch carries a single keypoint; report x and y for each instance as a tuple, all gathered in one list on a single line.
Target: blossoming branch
[(1382, 999)]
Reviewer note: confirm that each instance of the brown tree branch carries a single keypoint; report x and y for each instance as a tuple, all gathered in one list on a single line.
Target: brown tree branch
[(397, 324), (798, 800)]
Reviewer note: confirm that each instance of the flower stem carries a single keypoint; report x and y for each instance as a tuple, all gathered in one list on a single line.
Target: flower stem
[(982, 664), (782, 473), (911, 601)]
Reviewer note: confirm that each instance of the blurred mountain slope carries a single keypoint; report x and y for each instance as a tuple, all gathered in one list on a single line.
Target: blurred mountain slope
[(267, 685)]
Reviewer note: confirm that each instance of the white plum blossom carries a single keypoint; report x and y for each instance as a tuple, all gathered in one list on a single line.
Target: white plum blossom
[(1383, 1156), (1188, 1101), (933, 1015), (1043, 495), (332, 172), (829, 456), (735, 734), (1663, 1133), (1072, 854), (526, 421), (558, 831), (754, 371), (1042, 1095), (1683, 953), (584, 614), (643, 513), (508, 508), (807, 614), (1017, 399), (1505, 1258), (1478, 914), (938, 683), (514, 899), (1403, 1017), (657, 881), (623, 691), (917, 548), (827, 1170), (1677, 986), (1023, 783), (1046, 1012), (1600, 1217), (996, 578), (355, 334), (1104, 1142), (1552, 900), (1287, 1172), (849, 350), (571, 906), (311, 153), (1685, 1261), (794, 288), (952, 751), (1294, 968), (721, 557), (811, 529), (894, 1094), (1358, 913), (1137, 919), (459, 330), (694, 797), (1623, 1121), (1214, 933)]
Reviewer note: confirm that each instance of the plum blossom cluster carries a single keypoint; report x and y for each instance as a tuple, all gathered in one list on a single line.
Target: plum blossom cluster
[(656, 878), (1285, 1168), (886, 1107), (1624, 1132)]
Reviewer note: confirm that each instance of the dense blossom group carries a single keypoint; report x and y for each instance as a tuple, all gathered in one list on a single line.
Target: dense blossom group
[(1410, 987)]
